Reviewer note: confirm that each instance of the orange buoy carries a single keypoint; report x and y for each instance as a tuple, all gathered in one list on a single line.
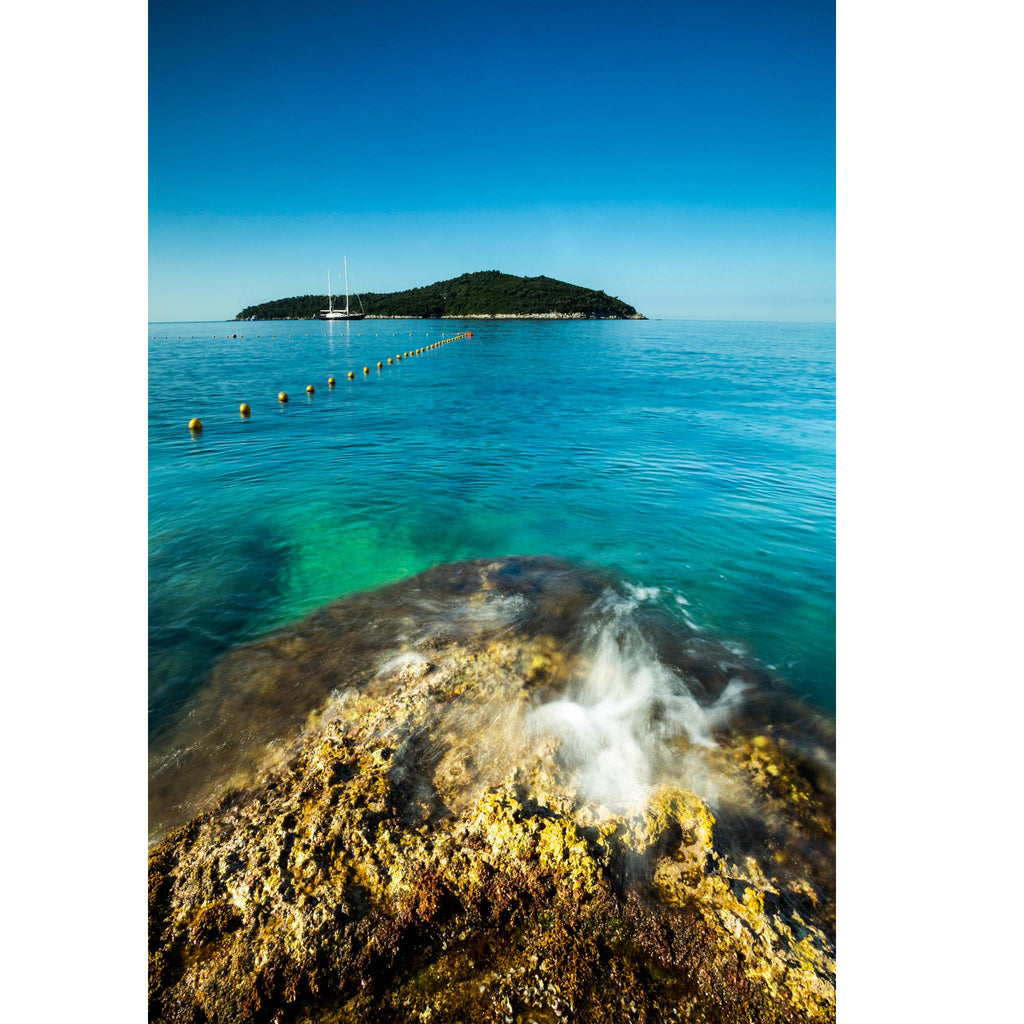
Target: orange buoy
[(195, 425), (244, 409), (282, 396), (310, 389)]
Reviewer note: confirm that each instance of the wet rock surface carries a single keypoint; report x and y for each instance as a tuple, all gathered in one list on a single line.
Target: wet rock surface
[(372, 817)]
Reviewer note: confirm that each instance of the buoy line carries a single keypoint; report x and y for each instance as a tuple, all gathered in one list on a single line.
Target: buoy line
[(195, 425)]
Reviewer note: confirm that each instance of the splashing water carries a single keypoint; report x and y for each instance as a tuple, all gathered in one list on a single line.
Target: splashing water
[(625, 709), (495, 666)]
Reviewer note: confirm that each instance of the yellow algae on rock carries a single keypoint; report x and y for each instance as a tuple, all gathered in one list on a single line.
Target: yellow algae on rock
[(672, 810), (408, 849)]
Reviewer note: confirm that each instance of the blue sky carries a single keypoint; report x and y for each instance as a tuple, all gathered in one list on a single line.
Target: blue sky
[(678, 155)]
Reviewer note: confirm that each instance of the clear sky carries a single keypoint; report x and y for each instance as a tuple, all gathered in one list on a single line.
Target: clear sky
[(678, 155)]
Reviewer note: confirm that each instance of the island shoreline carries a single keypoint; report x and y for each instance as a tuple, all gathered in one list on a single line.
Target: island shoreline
[(466, 316)]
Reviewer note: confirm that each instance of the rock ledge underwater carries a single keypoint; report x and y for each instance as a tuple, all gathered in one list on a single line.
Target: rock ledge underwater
[(412, 806)]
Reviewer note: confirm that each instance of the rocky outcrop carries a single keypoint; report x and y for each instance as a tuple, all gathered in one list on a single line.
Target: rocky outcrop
[(410, 846)]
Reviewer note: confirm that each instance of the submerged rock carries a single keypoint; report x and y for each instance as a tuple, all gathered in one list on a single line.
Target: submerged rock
[(399, 810)]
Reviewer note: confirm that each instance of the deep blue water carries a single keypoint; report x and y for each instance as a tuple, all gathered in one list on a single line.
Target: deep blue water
[(697, 458)]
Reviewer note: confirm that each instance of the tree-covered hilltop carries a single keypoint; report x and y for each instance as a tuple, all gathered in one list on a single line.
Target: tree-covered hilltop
[(485, 293)]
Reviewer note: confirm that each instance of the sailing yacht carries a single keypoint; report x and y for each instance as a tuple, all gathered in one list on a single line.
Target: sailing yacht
[(330, 313)]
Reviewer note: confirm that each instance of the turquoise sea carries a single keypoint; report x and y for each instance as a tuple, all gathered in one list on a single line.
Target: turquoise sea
[(694, 460)]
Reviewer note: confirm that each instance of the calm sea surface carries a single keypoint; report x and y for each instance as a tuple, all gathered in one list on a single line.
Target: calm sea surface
[(695, 458)]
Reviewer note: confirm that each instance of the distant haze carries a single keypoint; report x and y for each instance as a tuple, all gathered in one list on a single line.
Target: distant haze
[(677, 156)]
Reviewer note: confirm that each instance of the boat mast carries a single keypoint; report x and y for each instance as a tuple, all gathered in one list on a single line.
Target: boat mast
[(346, 284), (330, 304)]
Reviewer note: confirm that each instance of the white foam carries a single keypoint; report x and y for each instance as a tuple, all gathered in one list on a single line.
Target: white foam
[(691, 621), (623, 710), (496, 612), (405, 659)]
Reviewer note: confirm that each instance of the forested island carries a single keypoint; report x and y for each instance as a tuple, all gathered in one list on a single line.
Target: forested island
[(487, 293)]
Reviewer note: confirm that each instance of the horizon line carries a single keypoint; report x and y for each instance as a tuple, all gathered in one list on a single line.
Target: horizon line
[(649, 319)]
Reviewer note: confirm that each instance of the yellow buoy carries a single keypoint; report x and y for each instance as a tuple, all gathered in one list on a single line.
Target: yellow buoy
[(391, 361), (310, 389), (282, 396), (366, 369), (351, 374), (331, 382), (399, 358), (195, 425), (379, 364), (244, 409)]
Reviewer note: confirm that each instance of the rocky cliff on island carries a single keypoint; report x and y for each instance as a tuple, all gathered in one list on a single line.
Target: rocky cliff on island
[(500, 791)]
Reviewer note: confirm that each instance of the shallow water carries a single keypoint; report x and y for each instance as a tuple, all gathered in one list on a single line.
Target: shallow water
[(533, 656), (694, 461)]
